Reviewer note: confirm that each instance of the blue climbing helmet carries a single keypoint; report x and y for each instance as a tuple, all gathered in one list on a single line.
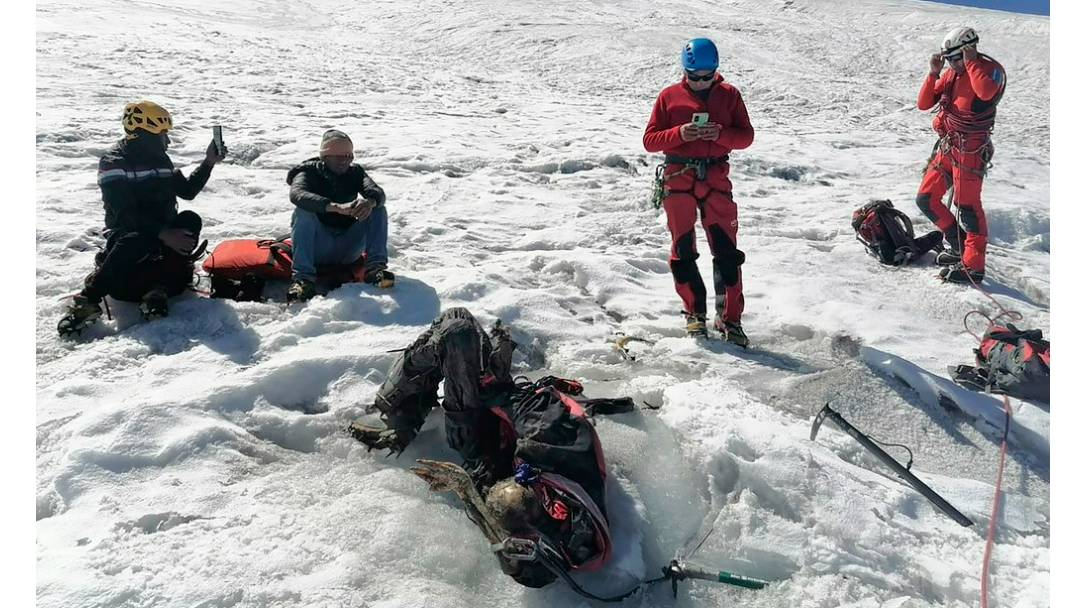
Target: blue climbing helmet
[(700, 54)]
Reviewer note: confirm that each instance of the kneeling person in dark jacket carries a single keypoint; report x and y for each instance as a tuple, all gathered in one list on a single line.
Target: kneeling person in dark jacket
[(149, 251), (534, 473), (340, 215)]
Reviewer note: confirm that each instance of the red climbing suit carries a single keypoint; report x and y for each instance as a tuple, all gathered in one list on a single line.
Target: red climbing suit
[(707, 191), (967, 103)]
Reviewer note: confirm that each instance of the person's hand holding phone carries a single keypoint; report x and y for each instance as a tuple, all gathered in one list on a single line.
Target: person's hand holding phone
[(340, 208), (214, 157), (709, 131), (361, 209), (216, 152), (179, 240), (690, 132)]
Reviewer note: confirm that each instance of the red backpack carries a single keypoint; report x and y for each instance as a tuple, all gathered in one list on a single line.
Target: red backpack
[(239, 268), (887, 234)]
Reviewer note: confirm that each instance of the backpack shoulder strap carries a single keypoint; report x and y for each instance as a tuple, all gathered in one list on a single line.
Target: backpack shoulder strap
[(1013, 335), (280, 247), (904, 223)]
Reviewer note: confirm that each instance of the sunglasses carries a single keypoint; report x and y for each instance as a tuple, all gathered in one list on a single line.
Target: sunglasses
[(341, 158), (698, 78), (951, 58)]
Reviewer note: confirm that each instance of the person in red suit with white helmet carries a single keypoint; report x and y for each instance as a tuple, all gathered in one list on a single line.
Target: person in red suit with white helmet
[(966, 96)]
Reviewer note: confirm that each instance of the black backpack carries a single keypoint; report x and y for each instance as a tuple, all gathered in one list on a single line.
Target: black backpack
[(1009, 361), (887, 234), (248, 288)]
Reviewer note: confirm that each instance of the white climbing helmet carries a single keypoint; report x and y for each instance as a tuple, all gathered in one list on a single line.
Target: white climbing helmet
[(958, 38)]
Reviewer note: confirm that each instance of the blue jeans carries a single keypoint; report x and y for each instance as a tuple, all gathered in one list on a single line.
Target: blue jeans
[(314, 242)]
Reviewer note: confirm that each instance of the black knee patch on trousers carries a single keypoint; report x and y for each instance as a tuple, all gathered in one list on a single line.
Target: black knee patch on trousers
[(969, 220), (685, 270), (727, 259), (684, 249), (922, 201)]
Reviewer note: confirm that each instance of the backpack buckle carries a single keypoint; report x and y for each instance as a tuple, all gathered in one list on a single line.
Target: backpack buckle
[(903, 256), (520, 549)]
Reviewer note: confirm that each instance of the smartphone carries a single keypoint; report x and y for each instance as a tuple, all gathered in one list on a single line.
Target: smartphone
[(218, 142), (699, 119)]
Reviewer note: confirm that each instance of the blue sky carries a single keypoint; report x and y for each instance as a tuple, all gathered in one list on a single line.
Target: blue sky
[(1033, 7)]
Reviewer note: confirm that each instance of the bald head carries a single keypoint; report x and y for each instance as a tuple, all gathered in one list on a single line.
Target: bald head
[(514, 506)]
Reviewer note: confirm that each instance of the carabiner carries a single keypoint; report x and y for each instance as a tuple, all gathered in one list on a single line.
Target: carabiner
[(520, 549)]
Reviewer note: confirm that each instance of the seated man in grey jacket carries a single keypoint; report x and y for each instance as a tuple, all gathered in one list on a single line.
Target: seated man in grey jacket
[(340, 215)]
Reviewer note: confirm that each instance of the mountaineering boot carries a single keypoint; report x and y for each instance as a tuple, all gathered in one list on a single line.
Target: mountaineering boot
[(379, 276), (958, 273), (80, 314), (947, 257), (954, 247), (300, 291), (695, 325), (155, 304), (402, 403), (732, 332), (393, 430)]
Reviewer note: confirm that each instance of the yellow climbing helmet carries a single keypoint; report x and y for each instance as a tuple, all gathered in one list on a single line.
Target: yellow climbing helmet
[(146, 115)]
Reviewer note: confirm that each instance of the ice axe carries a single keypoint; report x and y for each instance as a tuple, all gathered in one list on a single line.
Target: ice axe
[(621, 345), (882, 455), (679, 572)]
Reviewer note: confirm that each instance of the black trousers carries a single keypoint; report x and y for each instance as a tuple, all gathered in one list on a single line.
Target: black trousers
[(134, 263), (456, 351)]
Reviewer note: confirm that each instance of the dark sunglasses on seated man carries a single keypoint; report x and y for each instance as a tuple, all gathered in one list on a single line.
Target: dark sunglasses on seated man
[(699, 77)]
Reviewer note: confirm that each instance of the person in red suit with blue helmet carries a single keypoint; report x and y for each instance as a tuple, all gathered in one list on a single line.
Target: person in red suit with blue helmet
[(696, 181), (966, 97)]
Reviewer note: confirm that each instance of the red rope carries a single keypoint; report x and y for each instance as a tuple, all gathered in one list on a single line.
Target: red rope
[(977, 285), (994, 509), (965, 122), (1008, 413), (1004, 439)]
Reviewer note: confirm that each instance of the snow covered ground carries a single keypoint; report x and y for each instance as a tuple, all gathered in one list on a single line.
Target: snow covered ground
[(200, 461)]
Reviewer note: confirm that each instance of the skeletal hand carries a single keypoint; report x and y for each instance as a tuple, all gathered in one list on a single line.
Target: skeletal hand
[(444, 476)]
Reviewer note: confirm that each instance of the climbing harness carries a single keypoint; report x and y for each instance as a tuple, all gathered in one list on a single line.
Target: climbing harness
[(698, 165)]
